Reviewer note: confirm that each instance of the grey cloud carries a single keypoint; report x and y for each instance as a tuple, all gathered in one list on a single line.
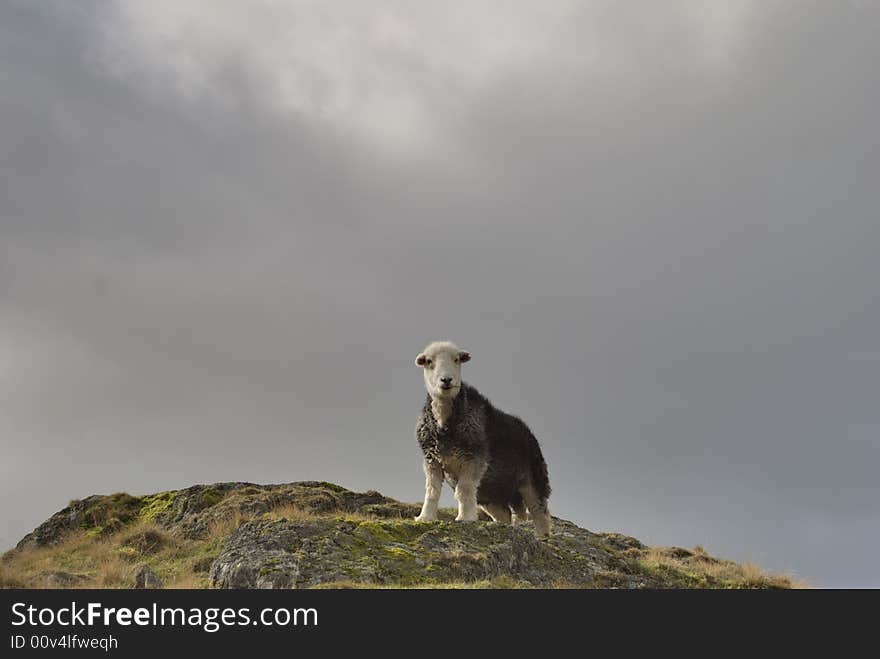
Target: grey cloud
[(666, 264)]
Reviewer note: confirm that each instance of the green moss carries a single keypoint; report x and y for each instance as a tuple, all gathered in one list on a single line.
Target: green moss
[(373, 530), (155, 504), (400, 552), (397, 530)]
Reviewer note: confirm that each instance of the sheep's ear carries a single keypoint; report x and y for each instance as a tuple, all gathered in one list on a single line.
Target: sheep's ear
[(420, 360), (464, 356)]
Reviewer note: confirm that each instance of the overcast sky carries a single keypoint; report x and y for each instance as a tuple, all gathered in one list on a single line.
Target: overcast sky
[(226, 232)]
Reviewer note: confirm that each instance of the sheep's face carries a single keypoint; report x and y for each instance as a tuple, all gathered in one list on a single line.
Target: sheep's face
[(441, 365)]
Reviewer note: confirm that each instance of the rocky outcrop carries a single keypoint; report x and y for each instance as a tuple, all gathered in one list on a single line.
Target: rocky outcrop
[(303, 554), (316, 534)]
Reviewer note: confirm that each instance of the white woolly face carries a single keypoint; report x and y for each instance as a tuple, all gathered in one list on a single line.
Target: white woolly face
[(441, 365)]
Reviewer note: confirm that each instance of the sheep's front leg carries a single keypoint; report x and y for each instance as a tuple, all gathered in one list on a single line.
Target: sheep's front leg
[(433, 485), (466, 491)]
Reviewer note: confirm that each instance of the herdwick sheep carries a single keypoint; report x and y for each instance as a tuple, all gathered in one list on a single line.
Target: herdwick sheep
[(490, 457)]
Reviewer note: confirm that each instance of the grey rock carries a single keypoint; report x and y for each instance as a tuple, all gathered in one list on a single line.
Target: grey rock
[(265, 553), (53, 529), (145, 578)]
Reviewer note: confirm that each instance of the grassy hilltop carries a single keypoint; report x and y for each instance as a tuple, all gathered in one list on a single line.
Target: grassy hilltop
[(320, 535)]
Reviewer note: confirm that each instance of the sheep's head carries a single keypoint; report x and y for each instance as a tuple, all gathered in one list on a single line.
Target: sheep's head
[(441, 365)]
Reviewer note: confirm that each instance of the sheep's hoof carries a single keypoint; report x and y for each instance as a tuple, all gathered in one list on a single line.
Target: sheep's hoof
[(425, 519)]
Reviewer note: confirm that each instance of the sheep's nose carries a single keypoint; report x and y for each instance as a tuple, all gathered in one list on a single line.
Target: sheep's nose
[(446, 380)]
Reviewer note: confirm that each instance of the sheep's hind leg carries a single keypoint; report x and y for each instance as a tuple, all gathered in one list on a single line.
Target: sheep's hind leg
[(498, 512), (538, 509), (520, 514)]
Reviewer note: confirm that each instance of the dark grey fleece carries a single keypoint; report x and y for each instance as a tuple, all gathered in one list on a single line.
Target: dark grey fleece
[(478, 431)]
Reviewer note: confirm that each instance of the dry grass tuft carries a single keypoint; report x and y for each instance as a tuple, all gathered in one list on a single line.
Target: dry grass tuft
[(87, 559), (221, 528), (112, 571), (290, 512), (697, 567), (10, 580), (82, 560), (145, 539)]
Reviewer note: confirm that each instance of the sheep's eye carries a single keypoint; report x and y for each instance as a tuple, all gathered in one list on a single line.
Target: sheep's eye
[(428, 362), (456, 360)]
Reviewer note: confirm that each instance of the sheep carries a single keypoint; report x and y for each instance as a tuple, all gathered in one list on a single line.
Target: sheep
[(490, 458)]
